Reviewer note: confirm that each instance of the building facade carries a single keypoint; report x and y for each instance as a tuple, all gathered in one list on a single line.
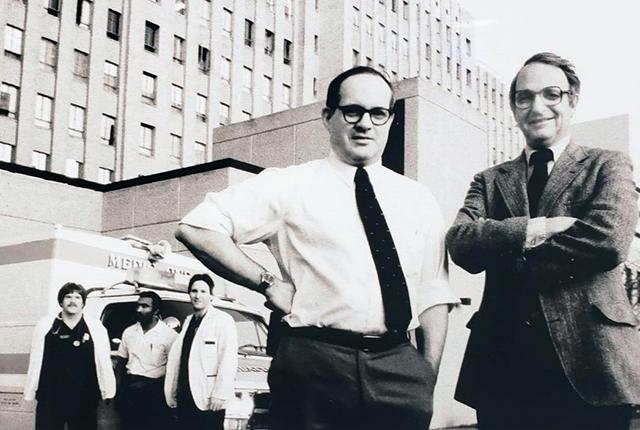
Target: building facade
[(108, 90)]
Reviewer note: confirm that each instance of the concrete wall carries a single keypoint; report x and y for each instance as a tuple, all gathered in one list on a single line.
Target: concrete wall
[(609, 133), (32, 204)]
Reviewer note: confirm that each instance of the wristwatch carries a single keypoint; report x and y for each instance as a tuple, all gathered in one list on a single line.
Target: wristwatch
[(267, 279)]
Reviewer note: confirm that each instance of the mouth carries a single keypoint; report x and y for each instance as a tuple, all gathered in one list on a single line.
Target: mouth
[(540, 121), (362, 139)]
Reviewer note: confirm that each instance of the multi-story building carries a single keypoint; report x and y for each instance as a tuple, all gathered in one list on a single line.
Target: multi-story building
[(112, 89)]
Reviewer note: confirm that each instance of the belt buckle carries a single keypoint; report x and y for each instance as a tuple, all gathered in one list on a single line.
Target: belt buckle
[(367, 338)]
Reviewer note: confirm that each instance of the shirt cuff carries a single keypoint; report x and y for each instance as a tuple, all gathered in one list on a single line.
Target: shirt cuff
[(536, 233), (437, 292), (207, 216)]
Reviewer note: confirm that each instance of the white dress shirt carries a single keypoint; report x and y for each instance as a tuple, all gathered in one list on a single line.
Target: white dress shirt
[(308, 217), (147, 353)]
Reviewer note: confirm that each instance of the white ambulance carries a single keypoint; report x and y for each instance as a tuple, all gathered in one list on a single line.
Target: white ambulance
[(114, 271)]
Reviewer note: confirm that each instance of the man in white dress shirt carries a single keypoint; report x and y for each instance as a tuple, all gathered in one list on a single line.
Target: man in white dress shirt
[(142, 364), (362, 262)]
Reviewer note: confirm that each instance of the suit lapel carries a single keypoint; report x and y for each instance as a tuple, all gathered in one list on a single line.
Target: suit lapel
[(570, 163), (512, 183)]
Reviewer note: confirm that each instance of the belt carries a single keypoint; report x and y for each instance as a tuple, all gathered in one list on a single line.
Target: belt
[(362, 342)]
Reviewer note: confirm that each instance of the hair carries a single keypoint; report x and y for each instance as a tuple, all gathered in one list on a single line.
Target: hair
[(201, 277), (155, 298), (333, 93), (553, 60), (72, 287)]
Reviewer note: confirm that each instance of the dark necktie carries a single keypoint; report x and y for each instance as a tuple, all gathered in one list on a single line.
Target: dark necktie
[(538, 180), (395, 296)]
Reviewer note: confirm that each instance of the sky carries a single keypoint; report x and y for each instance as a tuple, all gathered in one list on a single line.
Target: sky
[(599, 38)]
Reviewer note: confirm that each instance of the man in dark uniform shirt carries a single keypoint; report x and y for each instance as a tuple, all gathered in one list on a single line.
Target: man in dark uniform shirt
[(70, 368)]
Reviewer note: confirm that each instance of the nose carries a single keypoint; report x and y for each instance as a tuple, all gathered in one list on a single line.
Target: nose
[(365, 123), (538, 103)]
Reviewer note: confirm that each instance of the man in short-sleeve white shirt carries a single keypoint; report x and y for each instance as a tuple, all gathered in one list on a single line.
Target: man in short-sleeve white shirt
[(143, 353), (353, 280)]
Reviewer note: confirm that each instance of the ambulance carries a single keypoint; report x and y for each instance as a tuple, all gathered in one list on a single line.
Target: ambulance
[(114, 271)]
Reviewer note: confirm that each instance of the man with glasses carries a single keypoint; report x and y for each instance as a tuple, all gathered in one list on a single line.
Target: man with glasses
[(554, 344), (362, 261)]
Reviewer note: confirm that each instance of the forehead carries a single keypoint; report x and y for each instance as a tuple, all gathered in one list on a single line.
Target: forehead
[(536, 76), (200, 286), (145, 301), (73, 294), (365, 90)]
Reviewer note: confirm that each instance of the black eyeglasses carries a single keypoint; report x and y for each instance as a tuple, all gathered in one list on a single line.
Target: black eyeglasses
[(354, 113), (551, 96)]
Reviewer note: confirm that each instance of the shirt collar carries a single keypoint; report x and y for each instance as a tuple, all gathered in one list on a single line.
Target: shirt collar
[(557, 149), (346, 171)]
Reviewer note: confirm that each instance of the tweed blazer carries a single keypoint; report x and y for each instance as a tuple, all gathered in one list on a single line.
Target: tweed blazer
[(576, 274)]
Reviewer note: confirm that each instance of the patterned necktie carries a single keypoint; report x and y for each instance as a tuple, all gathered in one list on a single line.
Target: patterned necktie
[(395, 296), (538, 180)]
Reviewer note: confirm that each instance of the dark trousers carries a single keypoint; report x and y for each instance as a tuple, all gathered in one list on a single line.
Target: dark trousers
[(194, 419), (316, 385), (50, 417), (536, 394), (142, 405)]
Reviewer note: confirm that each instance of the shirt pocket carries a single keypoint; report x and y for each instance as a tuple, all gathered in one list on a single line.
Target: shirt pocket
[(210, 348)]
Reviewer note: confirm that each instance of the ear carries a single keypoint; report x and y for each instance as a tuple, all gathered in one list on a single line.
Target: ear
[(327, 113), (574, 100)]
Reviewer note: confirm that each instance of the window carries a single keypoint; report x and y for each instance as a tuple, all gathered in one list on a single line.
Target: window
[(469, 78), (73, 168), (39, 160), (201, 107), (267, 89), (405, 48), (105, 176), (176, 96), (286, 56), (427, 52), (76, 121), (356, 18), (111, 76), (48, 54), (288, 9), (8, 100), (247, 78), (43, 110), (315, 87), (458, 71), (468, 42), (356, 58), (246, 116), (205, 10), (83, 15), (437, 25), (381, 38), (113, 24), (147, 139), (394, 41), (394, 5), (81, 64), (176, 146), (369, 26), (227, 20), (248, 32), (13, 41), (204, 59), (271, 6), (151, 31), (448, 64), (108, 130), (269, 42), (448, 34), (405, 9), (316, 44), (438, 58), (178, 49), (179, 6), (6, 152), (148, 88), (225, 70), (201, 151), (224, 114), (286, 96), (53, 6)]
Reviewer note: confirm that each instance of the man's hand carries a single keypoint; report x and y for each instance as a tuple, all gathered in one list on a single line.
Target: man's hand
[(280, 296), (559, 224), (216, 404)]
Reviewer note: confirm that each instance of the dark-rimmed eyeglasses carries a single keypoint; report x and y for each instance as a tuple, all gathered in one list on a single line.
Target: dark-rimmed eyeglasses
[(551, 96), (354, 113)]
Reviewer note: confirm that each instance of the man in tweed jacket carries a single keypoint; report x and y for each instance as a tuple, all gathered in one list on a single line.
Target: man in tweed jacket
[(554, 344)]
